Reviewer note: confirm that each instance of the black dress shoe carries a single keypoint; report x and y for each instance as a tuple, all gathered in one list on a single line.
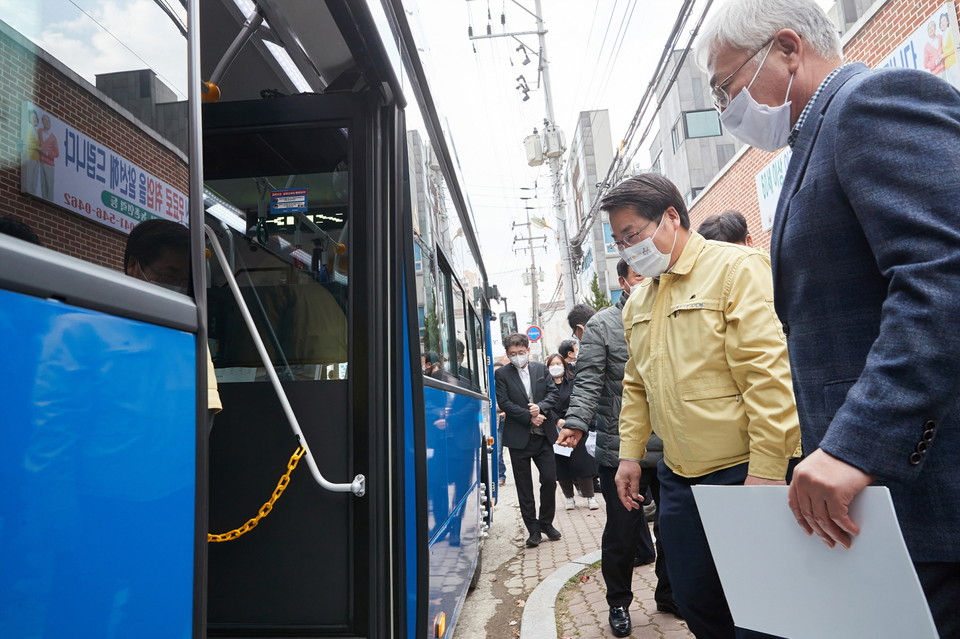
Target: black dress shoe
[(670, 609), (533, 540), (552, 533), (620, 621)]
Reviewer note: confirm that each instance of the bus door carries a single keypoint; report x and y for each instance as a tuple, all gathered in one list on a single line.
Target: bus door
[(294, 196)]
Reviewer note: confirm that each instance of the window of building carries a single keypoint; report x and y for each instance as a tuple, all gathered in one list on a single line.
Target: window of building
[(702, 124), (657, 166), (676, 134), (692, 195)]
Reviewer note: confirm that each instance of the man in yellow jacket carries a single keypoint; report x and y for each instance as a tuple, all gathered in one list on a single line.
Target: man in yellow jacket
[(707, 371)]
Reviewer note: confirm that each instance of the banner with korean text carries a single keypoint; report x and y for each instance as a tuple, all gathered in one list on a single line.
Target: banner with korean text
[(932, 47), (73, 171), (769, 184)]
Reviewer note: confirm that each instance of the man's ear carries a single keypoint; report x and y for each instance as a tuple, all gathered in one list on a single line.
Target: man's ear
[(792, 46)]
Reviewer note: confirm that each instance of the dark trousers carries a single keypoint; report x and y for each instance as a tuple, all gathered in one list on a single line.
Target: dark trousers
[(941, 584), (585, 484), (693, 575), (625, 537), (501, 462), (541, 453), (663, 593)]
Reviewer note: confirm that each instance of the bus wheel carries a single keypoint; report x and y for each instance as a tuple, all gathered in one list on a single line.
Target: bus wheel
[(476, 572)]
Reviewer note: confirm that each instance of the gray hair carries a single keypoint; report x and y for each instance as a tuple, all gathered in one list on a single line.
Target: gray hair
[(747, 24)]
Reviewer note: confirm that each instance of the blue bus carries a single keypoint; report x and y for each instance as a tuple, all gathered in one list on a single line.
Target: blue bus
[(335, 298)]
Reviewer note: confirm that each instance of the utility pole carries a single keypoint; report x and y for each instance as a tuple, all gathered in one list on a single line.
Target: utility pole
[(550, 129), (559, 210), (534, 275)]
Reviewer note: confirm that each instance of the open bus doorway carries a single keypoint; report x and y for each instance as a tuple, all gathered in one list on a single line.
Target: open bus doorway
[(278, 192)]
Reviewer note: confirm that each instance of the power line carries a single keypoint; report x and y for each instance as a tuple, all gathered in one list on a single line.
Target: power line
[(618, 43), (617, 165), (586, 50), (603, 44)]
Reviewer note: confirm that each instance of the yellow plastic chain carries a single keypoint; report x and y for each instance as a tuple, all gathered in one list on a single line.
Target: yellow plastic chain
[(266, 508)]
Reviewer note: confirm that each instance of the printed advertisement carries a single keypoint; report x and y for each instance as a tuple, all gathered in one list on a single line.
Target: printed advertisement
[(769, 185), (66, 168), (932, 47)]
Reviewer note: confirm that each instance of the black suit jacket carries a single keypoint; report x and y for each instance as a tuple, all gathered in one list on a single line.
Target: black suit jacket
[(512, 400)]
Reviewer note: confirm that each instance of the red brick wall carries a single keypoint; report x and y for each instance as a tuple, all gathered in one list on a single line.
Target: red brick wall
[(23, 76), (736, 189)]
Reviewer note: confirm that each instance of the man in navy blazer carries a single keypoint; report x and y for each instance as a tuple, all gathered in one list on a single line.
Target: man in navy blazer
[(866, 267), (525, 392)]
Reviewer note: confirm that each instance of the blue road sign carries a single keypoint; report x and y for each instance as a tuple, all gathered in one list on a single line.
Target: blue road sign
[(534, 333)]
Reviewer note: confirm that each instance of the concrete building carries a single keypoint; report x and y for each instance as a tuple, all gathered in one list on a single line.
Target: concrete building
[(691, 146), (151, 101), (589, 157)]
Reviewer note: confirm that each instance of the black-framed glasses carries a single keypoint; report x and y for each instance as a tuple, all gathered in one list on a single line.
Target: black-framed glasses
[(632, 238), (721, 97)]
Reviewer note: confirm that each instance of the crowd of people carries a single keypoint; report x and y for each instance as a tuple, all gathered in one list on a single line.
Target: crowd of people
[(828, 365)]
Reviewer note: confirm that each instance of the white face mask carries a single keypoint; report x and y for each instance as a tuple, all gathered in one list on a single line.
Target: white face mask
[(645, 258), (520, 360), (556, 371), (759, 125)]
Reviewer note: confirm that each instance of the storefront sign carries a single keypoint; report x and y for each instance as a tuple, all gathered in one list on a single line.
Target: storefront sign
[(66, 168), (932, 47), (769, 183)]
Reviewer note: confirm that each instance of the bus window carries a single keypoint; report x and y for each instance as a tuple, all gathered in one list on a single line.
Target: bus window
[(292, 269), (435, 302), (95, 142), (479, 351), (461, 364)]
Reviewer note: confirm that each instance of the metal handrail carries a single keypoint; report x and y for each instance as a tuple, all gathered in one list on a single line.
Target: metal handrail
[(358, 485)]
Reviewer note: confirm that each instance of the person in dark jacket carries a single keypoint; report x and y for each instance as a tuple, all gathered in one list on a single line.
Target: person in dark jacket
[(569, 350), (501, 416), (526, 393), (597, 390), (579, 466)]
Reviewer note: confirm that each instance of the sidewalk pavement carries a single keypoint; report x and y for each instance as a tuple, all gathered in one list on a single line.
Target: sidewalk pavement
[(554, 591)]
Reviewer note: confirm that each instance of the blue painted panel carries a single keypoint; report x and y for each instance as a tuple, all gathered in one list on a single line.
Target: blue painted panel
[(453, 425), (410, 483), (97, 461), (453, 557)]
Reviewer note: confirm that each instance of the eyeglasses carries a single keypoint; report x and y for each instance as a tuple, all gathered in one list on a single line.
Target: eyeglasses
[(165, 279), (721, 97), (632, 238)]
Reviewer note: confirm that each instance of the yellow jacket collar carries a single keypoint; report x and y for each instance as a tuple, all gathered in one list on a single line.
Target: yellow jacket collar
[(689, 254)]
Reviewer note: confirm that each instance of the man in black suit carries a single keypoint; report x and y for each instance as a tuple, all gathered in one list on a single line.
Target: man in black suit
[(525, 392)]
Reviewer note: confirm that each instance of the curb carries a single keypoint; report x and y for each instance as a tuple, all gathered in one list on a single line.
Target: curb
[(539, 620)]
